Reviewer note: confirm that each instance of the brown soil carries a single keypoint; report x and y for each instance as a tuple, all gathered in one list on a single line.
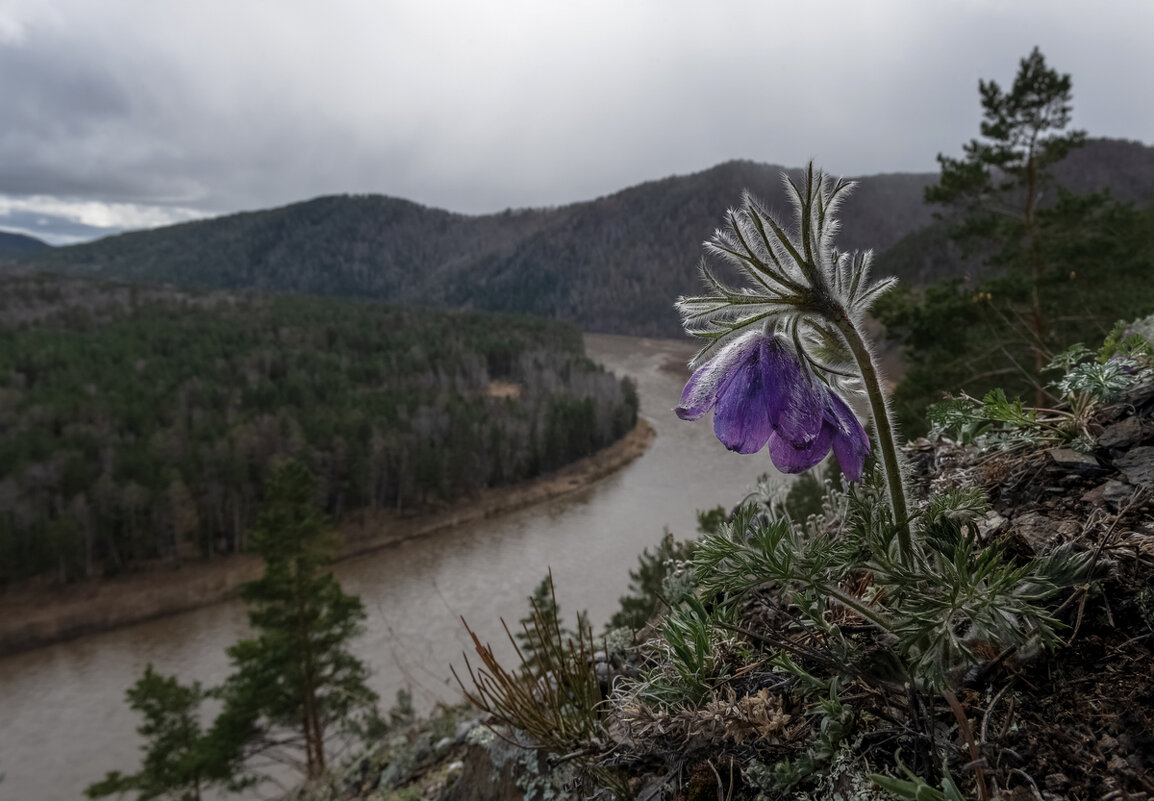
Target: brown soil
[(1077, 723), (35, 615)]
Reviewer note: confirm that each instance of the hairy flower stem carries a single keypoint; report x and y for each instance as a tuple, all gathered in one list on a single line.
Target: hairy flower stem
[(883, 428), (858, 606)]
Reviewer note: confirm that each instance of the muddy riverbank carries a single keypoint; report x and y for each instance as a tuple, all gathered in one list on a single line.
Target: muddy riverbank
[(34, 616)]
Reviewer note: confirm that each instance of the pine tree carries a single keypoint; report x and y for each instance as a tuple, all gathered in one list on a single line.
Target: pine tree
[(535, 641), (999, 189), (176, 754), (647, 582), (1067, 266), (296, 684)]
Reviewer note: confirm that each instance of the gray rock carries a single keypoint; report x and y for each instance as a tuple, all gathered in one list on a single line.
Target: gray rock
[(1037, 530), (1121, 434), (1138, 466), (1072, 460), (1116, 492), (989, 524), (390, 776), (463, 729)]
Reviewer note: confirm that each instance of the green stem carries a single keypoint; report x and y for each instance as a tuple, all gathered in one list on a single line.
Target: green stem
[(883, 428), (870, 614)]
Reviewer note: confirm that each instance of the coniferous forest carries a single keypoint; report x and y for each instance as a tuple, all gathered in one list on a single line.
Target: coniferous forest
[(140, 423)]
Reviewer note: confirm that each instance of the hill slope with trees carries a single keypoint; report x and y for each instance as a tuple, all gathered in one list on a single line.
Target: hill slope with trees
[(609, 265), (15, 245), (141, 423)]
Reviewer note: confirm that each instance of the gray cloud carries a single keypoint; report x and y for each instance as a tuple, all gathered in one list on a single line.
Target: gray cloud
[(217, 106)]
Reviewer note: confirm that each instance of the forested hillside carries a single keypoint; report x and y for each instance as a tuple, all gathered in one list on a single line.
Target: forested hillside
[(13, 245), (963, 335), (609, 265), (140, 423), (928, 254)]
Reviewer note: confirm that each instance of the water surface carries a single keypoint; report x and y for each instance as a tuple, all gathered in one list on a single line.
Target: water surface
[(63, 720)]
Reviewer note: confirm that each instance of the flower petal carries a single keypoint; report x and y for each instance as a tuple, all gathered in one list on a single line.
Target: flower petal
[(851, 444), (789, 459), (797, 403), (741, 419), (708, 380)]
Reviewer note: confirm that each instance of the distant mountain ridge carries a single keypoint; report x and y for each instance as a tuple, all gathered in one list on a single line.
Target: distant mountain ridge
[(612, 265), (1124, 168), (12, 245)]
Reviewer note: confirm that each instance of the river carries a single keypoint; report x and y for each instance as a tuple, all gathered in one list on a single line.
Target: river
[(63, 720)]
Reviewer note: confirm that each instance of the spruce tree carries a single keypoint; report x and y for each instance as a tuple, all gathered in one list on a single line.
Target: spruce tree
[(295, 685)]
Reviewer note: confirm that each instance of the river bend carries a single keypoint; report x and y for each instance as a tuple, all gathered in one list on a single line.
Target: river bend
[(63, 720)]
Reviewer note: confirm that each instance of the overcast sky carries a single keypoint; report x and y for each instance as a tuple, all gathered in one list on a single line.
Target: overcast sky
[(132, 113)]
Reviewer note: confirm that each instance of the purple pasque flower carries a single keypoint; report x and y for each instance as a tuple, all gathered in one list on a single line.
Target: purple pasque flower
[(761, 393), (756, 386), (840, 429)]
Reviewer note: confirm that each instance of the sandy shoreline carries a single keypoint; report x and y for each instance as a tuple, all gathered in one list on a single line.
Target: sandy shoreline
[(34, 617)]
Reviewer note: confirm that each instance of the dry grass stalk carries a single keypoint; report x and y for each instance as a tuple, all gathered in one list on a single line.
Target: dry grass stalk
[(555, 703)]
